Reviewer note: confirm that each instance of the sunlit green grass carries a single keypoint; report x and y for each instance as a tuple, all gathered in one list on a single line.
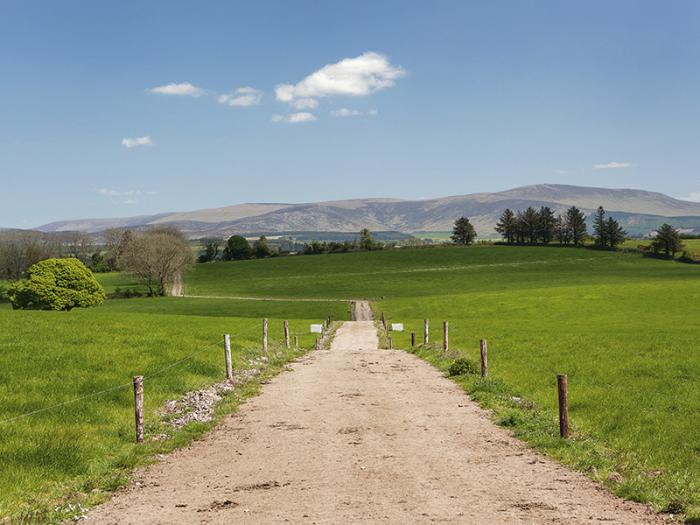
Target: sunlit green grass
[(47, 358), (622, 326)]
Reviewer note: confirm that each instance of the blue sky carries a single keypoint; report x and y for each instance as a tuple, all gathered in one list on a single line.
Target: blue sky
[(125, 108)]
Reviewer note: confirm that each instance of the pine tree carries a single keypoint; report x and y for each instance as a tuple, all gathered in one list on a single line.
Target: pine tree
[(545, 224), (600, 228), (614, 233), (668, 240), (507, 226), (562, 231), (530, 224), (463, 232), (576, 224)]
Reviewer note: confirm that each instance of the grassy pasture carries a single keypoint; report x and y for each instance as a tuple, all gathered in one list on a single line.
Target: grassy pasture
[(623, 327), (48, 358)]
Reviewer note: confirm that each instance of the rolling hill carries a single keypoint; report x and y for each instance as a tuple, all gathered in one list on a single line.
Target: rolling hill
[(639, 211)]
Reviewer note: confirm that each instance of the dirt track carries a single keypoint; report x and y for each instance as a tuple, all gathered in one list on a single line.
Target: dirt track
[(357, 434)]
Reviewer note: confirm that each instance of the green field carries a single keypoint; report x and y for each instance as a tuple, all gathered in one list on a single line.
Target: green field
[(622, 326), (87, 447)]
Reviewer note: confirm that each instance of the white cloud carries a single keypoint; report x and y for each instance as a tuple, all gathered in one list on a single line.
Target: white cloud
[(242, 97), (305, 103), (108, 192), (132, 142), (612, 166), (345, 112), (182, 89), (356, 77), (693, 196), (295, 118)]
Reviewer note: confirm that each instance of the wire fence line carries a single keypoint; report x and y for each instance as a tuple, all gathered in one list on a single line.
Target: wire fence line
[(120, 386)]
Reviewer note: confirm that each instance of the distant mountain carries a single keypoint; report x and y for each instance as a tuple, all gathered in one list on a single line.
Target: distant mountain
[(640, 211)]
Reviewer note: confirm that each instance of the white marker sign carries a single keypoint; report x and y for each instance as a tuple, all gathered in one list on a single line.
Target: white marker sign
[(316, 328), (397, 327)]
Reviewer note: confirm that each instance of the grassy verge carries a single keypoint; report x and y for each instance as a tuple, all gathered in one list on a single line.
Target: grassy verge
[(54, 461), (627, 472)]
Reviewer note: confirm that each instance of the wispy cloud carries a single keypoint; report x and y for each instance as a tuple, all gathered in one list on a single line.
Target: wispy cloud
[(359, 76), (612, 166), (109, 192), (305, 103), (295, 118), (184, 89), (242, 97), (345, 112), (124, 196), (133, 142)]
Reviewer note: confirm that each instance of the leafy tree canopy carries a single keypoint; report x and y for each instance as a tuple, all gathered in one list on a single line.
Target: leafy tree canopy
[(56, 284)]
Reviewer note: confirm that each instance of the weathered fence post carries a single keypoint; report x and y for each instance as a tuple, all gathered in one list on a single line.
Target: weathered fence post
[(264, 335), (286, 334), (483, 347), (138, 408), (426, 331), (383, 321), (318, 343), (296, 343), (445, 336), (563, 390), (227, 356), (413, 340), (390, 343)]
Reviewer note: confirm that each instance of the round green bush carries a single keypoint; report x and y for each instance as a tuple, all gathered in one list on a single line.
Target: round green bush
[(56, 284)]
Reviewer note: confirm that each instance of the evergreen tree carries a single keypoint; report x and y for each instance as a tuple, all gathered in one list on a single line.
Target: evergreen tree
[(562, 231), (576, 225), (520, 230), (600, 228), (668, 240), (507, 226), (463, 232), (545, 224), (530, 224), (614, 233)]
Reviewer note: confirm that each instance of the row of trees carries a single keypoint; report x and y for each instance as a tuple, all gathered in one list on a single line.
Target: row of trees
[(543, 226), (238, 248)]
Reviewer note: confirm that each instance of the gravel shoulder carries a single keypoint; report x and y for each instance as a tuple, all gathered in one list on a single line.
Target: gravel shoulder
[(359, 434)]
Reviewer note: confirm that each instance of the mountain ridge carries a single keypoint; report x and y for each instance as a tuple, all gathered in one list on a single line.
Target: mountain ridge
[(403, 215)]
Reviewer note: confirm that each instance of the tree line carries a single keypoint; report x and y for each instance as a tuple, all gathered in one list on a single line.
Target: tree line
[(238, 248), (543, 226)]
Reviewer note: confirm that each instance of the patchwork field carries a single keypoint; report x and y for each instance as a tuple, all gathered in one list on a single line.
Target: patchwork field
[(623, 327), (49, 358)]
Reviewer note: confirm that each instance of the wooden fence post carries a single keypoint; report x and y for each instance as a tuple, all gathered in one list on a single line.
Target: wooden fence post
[(286, 334), (138, 408), (383, 321), (264, 335), (390, 343), (563, 390), (227, 357), (483, 347), (426, 331), (445, 336), (318, 343), (296, 343), (413, 340)]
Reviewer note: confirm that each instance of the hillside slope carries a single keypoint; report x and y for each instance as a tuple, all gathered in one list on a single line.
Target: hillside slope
[(406, 215)]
